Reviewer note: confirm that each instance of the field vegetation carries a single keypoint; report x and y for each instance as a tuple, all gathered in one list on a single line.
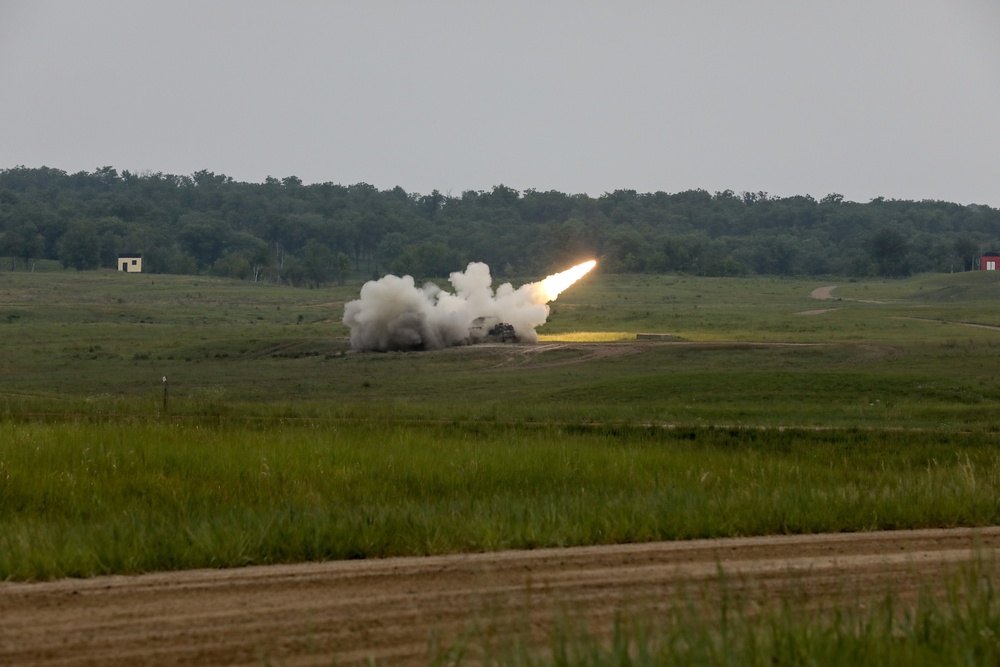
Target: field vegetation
[(84, 498), (957, 628), (99, 343), (763, 411)]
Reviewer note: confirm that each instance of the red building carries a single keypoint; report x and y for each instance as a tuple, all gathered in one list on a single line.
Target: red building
[(991, 261)]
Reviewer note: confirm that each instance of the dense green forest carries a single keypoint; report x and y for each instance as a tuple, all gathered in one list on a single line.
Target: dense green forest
[(286, 231)]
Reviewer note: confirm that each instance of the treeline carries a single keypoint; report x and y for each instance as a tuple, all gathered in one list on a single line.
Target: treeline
[(284, 231)]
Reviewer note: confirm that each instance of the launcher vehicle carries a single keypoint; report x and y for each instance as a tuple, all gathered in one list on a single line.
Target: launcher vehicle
[(502, 332), (489, 328)]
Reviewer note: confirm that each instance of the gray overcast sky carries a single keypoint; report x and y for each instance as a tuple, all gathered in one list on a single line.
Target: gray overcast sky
[(894, 98)]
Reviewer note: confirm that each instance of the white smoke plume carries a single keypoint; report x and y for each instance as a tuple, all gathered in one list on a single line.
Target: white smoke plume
[(394, 314)]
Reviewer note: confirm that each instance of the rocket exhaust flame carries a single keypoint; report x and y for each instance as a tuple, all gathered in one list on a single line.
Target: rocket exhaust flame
[(554, 285), (394, 314)]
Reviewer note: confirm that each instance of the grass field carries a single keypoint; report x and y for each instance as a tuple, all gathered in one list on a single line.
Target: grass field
[(100, 342), (767, 412), (81, 499)]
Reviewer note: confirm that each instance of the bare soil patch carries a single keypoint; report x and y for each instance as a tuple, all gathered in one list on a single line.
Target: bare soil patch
[(823, 293), (344, 612), (826, 293), (989, 327), (552, 355), (818, 311)]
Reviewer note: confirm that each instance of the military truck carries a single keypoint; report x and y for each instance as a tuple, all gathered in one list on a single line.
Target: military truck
[(502, 332), (497, 332)]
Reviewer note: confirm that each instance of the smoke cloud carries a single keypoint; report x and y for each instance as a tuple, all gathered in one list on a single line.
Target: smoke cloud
[(394, 314)]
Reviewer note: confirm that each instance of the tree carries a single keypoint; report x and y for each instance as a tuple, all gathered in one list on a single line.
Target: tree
[(389, 248), (108, 248), (293, 271), (204, 237), (106, 176), (774, 255), (730, 266), (232, 265), (625, 250), (191, 224), (681, 253), (545, 206), (22, 241), (341, 267), (317, 262), (966, 249), (249, 254), (110, 231), (427, 260), (889, 249), (80, 247), (429, 205)]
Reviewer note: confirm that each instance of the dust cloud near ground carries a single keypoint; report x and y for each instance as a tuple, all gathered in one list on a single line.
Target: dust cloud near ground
[(346, 612)]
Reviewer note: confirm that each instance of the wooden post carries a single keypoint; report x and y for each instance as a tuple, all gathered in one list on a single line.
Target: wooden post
[(164, 394)]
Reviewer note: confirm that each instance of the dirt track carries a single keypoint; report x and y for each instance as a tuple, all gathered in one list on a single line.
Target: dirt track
[(347, 611)]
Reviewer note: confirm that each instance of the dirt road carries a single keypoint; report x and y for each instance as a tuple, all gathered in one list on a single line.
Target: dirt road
[(826, 293), (347, 611), (823, 293)]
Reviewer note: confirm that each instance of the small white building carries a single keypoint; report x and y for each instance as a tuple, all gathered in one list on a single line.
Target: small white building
[(130, 263)]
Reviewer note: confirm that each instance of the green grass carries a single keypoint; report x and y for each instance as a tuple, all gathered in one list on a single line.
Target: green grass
[(959, 628), (277, 444), (85, 353), (80, 342), (85, 498)]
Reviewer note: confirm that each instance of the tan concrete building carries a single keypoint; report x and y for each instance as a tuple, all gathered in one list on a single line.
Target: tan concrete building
[(130, 263)]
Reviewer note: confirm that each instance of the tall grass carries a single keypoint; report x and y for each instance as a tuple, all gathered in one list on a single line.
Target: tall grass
[(84, 498), (961, 628)]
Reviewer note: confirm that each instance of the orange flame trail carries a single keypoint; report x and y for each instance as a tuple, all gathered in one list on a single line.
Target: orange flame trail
[(550, 288)]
